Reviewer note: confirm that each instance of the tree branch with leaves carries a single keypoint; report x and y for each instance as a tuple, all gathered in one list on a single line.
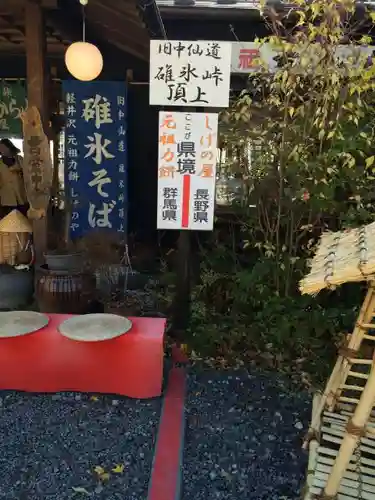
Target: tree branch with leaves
[(314, 118)]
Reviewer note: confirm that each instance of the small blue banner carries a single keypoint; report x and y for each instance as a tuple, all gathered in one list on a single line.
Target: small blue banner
[(96, 156)]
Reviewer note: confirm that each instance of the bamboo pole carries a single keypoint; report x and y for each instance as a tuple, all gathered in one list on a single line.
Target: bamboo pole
[(342, 365), (365, 315), (313, 454), (350, 441)]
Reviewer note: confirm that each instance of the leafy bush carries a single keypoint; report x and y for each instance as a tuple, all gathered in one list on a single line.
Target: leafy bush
[(313, 124), (237, 316)]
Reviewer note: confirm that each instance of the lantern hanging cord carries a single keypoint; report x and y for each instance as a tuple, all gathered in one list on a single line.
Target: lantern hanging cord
[(83, 3), (83, 24)]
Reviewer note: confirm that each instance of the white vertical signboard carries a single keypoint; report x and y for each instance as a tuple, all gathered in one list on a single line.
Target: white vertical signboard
[(187, 170), (184, 73)]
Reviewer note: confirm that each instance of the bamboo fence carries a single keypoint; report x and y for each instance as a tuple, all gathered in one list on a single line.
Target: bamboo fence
[(341, 438)]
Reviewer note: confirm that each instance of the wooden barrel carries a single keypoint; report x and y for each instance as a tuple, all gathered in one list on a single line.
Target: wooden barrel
[(63, 292)]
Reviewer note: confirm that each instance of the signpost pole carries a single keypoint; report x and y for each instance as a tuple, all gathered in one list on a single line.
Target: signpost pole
[(182, 299), (193, 75), (181, 305)]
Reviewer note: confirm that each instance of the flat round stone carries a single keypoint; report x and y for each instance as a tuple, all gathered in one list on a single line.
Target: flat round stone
[(18, 323), (95, 327)]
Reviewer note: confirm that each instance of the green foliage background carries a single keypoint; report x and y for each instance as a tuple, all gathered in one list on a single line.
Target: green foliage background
[(313, 122)]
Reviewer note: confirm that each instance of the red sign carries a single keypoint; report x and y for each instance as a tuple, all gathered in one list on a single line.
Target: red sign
[(248, 59)]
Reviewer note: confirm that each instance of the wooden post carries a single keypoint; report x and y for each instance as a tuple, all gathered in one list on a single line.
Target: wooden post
[(37, 91), (182, 299), (181, 305)]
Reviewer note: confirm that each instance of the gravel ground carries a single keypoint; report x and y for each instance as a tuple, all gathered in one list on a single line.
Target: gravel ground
[(243, 437), (243, 442), (50, 445)]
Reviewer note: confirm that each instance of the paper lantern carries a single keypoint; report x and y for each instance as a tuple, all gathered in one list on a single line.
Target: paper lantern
[(84, 61)]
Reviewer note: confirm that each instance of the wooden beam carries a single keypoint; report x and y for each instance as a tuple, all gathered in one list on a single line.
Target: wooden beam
[(5, 39), (12, 24), (139, 48), (13, 65), (128, 11), (142, 54), (18, 26), (4, 36), (11, 5), (132, 38), (37, 92), (36, 57), (19, 48), (113, 17)]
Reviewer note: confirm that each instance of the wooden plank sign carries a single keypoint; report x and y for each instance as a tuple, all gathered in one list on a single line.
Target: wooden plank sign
[(38, 168)]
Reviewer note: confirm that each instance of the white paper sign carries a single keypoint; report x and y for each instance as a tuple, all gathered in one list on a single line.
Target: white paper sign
[(246, 56), (184, 73), (187, 170)]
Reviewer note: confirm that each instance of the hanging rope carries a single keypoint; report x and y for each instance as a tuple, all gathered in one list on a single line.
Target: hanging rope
[(83, 3)]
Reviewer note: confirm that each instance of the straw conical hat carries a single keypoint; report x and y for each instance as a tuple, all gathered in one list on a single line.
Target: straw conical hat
[(15, 222)]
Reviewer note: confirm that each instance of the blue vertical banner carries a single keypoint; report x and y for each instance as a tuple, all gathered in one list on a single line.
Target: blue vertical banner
[(96, 156)]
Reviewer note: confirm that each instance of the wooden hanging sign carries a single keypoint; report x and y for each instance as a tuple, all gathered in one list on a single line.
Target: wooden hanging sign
[(38, 168)]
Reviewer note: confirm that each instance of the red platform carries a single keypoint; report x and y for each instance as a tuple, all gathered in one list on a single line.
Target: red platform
[(46, 361)]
